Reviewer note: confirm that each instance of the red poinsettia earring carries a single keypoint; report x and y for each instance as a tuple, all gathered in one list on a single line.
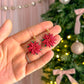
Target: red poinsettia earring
[(49, 39), (34, 47)]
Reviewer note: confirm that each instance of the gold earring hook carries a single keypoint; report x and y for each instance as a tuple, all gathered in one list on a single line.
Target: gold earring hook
[(34, 37), (47, 30)]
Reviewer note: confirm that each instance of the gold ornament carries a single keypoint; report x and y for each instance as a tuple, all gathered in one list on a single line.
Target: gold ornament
[(69, 37), (77, 48)]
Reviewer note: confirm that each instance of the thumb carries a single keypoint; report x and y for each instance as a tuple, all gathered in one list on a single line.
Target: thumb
[(5, 30)]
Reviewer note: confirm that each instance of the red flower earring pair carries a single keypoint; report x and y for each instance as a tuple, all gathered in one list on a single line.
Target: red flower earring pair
[(48, 40)]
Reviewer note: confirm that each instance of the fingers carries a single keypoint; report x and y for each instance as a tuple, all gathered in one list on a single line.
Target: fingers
[(44, 50), (26, 34), (1, 57), (19, 63), (39, 62), (5, 30), (55, 30)]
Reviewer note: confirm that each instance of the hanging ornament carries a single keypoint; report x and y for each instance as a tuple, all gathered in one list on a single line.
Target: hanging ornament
[(64, 1), (77, 47)]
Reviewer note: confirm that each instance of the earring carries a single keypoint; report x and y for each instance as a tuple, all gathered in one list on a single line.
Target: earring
[(49, 39), (34, 47)]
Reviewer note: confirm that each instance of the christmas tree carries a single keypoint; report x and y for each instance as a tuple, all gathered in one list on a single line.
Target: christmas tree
[(61, 12)]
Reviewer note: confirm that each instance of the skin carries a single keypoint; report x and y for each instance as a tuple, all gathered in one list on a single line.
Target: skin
[(13, 62)]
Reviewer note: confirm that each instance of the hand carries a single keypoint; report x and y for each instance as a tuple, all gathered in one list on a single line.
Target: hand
[(13, 49)]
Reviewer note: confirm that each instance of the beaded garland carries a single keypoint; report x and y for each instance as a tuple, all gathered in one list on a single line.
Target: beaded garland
[(33, 3)]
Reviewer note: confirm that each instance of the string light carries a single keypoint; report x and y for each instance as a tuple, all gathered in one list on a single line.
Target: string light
[(65, 46), (51, 82), (69, 37), (62, 41), (66, 53), (61, 38), (58, 50), (83, 63), (57, 56), (48, 83), (55, 82), (61, 68), (59, 60)]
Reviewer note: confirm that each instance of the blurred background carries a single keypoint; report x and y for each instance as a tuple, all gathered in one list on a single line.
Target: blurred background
[(69, 14), (70, 52)]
